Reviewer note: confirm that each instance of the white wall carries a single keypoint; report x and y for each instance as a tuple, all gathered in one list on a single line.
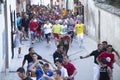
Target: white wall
[(3, 32), (2, 28), (110, 28), (3, 44), (91, 18), (109, 24), (13, 7)]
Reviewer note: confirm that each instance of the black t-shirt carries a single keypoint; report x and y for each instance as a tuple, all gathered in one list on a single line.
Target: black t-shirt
[(95, 53), (29, 58), (104, 73), (27, 78), (57, 55)]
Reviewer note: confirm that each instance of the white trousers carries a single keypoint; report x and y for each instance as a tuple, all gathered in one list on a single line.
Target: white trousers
[(80, 39), (96, 71)]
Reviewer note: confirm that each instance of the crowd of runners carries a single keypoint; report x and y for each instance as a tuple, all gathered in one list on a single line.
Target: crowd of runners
[(43, 23)]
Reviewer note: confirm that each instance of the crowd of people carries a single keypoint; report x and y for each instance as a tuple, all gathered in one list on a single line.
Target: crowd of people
[(39, 68), (104, 57), (43, 23), (62, 25)]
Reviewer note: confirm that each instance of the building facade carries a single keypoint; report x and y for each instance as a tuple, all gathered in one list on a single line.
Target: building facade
[(102, 22), (7, 16)]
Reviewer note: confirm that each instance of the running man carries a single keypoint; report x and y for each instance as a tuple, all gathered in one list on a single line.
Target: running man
[(79, 29)]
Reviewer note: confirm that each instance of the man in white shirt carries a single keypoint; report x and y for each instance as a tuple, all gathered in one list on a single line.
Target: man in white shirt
[(47, 31), (58, 63)]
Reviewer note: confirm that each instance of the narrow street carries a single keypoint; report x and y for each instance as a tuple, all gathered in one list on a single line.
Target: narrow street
[(25, 22), (84, 66)]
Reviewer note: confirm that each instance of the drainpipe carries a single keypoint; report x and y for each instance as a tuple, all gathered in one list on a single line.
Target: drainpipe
[(99, 31), (6, 36), (86, 16)]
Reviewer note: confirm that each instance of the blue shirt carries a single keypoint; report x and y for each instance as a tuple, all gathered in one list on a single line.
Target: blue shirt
[(18, 21), (49, 73), (71, 27), (39, 74)]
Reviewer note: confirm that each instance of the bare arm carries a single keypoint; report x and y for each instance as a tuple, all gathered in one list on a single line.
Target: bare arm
[(117, 54), (46, 60), (85, 56), (32, 67), (74, 73), (49, 78), (53, 66), (23, 63), (21, 36), (110, 73), (98, 61)]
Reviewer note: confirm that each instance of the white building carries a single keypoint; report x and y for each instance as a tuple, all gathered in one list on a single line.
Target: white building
[(39, 2), (7, 9), (103, 23)]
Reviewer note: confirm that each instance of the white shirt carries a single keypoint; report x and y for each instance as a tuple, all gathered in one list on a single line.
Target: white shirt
[(64, 29), (63, 72), (48, 28)]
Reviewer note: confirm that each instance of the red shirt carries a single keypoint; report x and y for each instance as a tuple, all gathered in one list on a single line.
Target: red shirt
[(70, 68), (33, 25), (109, 57)]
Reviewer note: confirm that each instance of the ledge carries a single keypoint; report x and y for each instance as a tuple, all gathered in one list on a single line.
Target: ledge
[(108, 8)]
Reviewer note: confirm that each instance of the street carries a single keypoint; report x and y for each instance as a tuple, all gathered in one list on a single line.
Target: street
[(84, 66)]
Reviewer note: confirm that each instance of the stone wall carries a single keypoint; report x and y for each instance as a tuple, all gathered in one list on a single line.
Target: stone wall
[(103, 23)]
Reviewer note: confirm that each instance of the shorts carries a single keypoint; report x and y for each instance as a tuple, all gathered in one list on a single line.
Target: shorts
[(56, 35), (66, 36), (38, 32), (46, 35), (32, 33)]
